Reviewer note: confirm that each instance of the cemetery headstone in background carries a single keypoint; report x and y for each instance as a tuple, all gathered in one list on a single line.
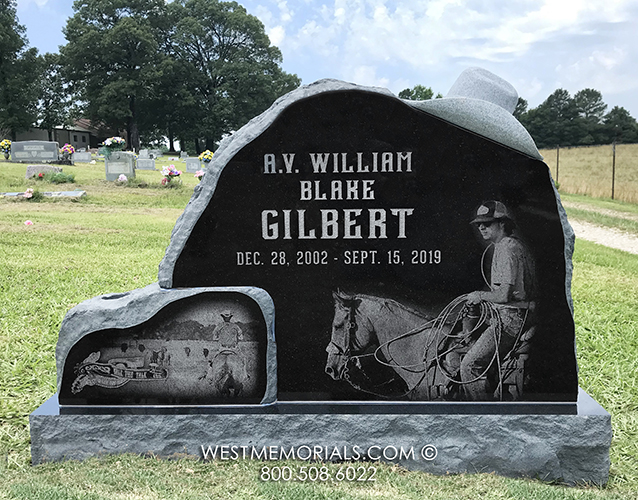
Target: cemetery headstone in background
[(193, 165), (155, 153), (119, 162), (145, 164), (34, 151), (82, 156), (144, 155), (380, 229), (183, 155)]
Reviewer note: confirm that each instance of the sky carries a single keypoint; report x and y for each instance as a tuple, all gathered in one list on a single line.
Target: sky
[(536, 45)]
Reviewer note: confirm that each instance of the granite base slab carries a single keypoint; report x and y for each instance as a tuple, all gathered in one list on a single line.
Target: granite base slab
[(570, 448)]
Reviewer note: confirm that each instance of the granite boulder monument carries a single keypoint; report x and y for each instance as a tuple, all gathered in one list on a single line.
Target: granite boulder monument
[(353, 268)]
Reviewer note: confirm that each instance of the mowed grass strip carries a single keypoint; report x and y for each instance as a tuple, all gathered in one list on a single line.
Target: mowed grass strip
[(605, 293), (134, 477), (602, 212), (144, 190), (604, 220), (114, 240), (623, 209), (73, 252)]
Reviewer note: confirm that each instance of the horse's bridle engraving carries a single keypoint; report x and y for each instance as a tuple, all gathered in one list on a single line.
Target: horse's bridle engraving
[(353, 357), (351, 330)]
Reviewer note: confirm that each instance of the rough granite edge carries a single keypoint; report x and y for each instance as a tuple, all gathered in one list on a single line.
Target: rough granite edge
[(570, 239), (472, 114), (129, 309)]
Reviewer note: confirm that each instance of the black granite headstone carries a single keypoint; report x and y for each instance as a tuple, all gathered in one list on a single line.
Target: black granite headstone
[(410, 257), (353, 210)]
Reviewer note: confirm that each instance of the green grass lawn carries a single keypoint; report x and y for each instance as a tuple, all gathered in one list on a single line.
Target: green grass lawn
[(114, 239)]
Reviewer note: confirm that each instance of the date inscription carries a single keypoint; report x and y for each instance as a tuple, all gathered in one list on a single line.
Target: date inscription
[(421, 257)]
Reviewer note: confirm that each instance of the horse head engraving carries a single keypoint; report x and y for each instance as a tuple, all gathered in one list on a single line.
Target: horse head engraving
[(378, 345), (349, 337)]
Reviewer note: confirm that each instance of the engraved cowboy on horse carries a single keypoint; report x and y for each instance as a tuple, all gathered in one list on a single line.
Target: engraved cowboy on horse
[(475, 349)]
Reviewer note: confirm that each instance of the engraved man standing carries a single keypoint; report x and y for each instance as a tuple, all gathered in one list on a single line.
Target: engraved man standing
[(509, 297), (229, 334)]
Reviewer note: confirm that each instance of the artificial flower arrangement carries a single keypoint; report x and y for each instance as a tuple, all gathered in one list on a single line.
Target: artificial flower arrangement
[(199, 174), (5, 147), (114, 142), (111, 144), (170, 173), (206, 156), (32, 195), (68, 149), (55, 177)]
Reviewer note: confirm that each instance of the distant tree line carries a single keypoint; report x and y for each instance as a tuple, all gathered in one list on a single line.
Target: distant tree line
[(563, 120), (581, 120), (189, 70), (419, 93)]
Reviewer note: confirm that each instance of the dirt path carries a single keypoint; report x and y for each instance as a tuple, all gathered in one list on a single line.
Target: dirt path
[(611, 237)]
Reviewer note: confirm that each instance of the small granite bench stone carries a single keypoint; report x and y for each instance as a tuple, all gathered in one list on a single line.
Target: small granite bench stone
[(50, 194), (33, 170)]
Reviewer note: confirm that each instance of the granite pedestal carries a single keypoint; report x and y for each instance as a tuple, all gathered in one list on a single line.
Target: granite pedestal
[(571, 448)]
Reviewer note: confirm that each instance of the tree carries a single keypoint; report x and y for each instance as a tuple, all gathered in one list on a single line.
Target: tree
[(556, 121), (19, 72), (521, 109), (172, 109), (591, 108), (620, 126), (590, 105), (418, 93), (230, 67), (55, 104), (111, 56)]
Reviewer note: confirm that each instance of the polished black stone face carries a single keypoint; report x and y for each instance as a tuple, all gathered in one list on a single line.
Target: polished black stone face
[(353, 212), (205, 349)]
